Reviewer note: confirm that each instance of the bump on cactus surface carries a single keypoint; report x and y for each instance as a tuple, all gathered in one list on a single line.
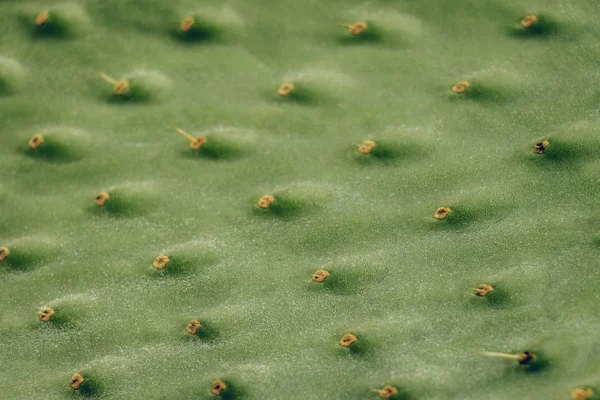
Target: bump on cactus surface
[(360, 200)]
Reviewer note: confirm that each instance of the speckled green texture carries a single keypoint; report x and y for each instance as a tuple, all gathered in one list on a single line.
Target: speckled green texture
[(400, 280)]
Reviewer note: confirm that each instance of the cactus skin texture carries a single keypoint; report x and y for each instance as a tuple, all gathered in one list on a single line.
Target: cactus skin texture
[(370, 137)]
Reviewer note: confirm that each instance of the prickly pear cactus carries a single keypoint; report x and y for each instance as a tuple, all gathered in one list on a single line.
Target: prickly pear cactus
[(299, 199)]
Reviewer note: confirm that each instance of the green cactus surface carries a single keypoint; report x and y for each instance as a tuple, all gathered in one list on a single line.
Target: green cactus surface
[(328, 234)]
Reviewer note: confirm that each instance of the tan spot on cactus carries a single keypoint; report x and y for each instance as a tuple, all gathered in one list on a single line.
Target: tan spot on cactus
[(42, 18), (581, 393), (441, 213), (348, 339), (528, 21), (320, 275), (4, 252), (45, 314), (265, 201), (101, 198), (387, 392), (187, 23), (36, 141), (120, 87), (366, 147), (196, 143), (524, 358), (357, 28), (76, 381), (540, 148), (160, 262), (192, 327), (460, 87), (482, 290), (285, 89), (217, 387)]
